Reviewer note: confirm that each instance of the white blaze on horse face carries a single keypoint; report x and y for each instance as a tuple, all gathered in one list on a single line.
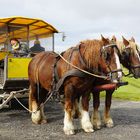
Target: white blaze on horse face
[(118, 65)]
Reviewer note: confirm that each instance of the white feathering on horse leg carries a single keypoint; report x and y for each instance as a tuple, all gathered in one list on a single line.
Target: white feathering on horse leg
[(68, 125), (36, 115), (85, 122), (108, 120), (96, 119)]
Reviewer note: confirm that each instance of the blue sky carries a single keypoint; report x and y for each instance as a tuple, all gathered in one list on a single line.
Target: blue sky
[(80, 19)]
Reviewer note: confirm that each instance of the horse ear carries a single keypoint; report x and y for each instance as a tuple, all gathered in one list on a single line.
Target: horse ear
[(132, 39), (114, 38), (104, 40), (125, 42), (102, 37)]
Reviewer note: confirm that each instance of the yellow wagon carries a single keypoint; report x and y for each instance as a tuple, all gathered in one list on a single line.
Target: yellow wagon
[(14, 70)]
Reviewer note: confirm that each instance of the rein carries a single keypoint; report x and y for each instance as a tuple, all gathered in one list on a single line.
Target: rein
[(135, 66), (131, 67), (89, 73), (117, 70)]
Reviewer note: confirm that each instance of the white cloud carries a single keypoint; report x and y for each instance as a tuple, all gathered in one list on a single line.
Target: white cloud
[(80, 19)]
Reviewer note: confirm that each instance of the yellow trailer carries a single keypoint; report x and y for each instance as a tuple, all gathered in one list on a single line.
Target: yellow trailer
[(14, 70)]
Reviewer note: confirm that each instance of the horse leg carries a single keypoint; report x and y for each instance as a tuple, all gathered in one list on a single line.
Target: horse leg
[(68, 109), (33, 105), (85, 118), (107, 118), (42, 98), (95, 118), (77, 113)]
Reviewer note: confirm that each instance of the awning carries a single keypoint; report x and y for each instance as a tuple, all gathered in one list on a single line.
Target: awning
[(24, 28)]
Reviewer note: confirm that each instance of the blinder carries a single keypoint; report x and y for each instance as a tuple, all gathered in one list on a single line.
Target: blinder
[(103, 49)]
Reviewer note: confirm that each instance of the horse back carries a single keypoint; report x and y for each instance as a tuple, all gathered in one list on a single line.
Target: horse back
[(40, 69)]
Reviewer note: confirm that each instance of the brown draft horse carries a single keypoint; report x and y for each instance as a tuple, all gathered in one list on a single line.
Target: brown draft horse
[(90, 55), (130, 59)]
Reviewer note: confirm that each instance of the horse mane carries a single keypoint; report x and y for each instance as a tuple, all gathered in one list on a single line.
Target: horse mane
[(92, 53), (120, 45), (133, 46)]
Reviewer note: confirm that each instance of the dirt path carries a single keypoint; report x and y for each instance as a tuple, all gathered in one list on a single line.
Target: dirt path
[(15, 124)]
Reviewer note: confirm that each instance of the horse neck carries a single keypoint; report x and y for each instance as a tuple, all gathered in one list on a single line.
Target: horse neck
[(74, 57)]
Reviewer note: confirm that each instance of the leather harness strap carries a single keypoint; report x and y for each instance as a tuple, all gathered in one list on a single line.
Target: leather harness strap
[(73, 72), (58, 82)]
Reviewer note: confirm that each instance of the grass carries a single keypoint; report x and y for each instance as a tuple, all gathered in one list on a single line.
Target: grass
[(129, 92)]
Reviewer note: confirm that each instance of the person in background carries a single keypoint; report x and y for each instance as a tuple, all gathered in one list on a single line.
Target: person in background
[(37, 47), (18, 49)]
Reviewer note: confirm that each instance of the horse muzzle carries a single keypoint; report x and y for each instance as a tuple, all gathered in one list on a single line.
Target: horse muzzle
[(115, 76)]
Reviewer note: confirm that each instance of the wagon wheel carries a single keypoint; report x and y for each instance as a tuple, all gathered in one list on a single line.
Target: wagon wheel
[(3, 97)]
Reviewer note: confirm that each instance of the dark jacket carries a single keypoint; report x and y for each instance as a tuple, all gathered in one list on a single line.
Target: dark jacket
[(37, 48)]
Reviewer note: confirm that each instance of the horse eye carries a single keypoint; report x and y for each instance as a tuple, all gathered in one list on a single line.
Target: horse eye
[(106, 56), (126, 53)]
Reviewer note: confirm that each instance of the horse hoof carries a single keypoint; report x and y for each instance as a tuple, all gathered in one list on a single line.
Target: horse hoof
[(69, 132), (109, 123), (36, 117), (89, 130), (87, 126), (96, 124), (97, 127), (35, 122)]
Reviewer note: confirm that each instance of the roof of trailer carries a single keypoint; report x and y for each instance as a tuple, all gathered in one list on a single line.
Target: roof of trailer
[(17, 27)]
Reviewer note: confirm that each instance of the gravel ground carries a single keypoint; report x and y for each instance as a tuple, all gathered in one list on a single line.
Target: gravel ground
[(15, 123)]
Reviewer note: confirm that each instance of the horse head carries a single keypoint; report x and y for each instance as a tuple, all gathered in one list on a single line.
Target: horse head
[(102, 58), (130, 57), (110, 56)]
